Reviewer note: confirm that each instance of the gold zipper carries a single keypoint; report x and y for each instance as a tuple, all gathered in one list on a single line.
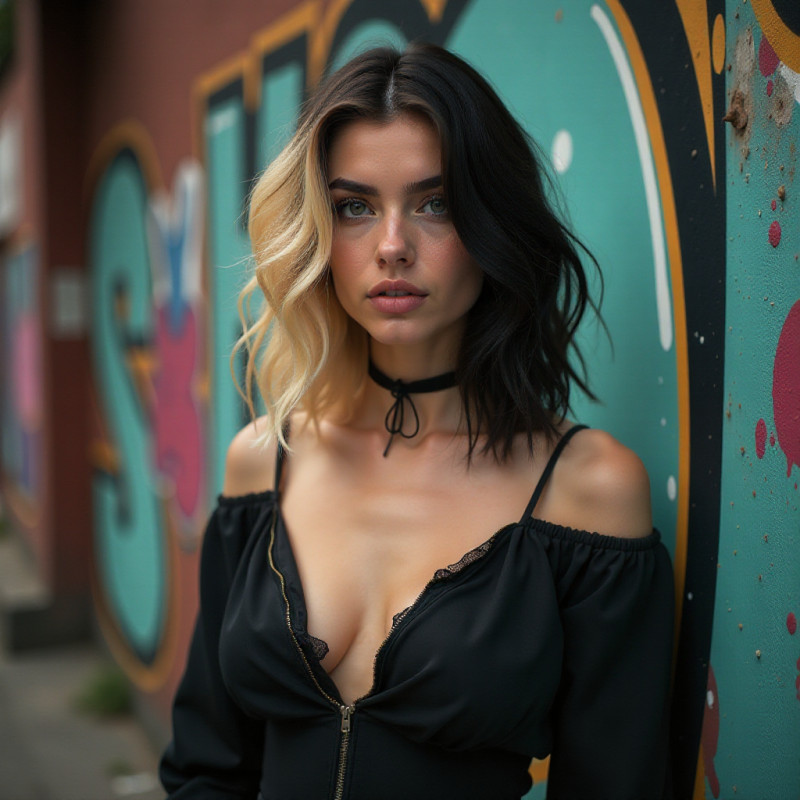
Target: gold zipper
[(344, 740), (346, 712)]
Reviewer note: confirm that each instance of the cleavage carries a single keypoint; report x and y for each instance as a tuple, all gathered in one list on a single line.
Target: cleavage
[(354, 627)]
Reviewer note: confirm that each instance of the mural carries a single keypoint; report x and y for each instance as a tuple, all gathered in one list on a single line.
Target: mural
[(148, 325), (693, 221)]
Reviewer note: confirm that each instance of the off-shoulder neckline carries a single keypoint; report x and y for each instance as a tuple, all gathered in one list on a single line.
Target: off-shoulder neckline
[(553, 530)]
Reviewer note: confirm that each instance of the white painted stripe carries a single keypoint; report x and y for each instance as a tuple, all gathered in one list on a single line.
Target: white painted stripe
[(663, 301)]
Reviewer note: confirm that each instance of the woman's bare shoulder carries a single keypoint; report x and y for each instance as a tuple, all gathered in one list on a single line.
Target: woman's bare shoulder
[(249, 464), (602, 486)]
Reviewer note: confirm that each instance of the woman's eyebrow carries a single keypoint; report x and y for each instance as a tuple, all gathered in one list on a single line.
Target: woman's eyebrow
[(353, 186), (434, 182), (426, 184)]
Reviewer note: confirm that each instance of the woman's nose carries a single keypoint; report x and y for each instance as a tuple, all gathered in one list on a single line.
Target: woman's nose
[(395, 246)]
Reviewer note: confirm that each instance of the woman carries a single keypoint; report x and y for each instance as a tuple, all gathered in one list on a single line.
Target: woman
[(363, 633)]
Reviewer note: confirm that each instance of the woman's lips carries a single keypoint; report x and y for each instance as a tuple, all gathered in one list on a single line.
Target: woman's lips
[(397, 305), (396, 297)]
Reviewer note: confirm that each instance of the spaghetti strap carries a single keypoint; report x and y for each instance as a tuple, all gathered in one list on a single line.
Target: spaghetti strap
[(279, 456), (537, 492)]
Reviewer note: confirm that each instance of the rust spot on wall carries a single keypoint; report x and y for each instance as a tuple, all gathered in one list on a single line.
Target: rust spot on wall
[(736, 114)]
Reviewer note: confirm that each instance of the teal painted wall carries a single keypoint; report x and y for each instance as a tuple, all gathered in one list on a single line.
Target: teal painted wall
[(702, 300), (752, 731)]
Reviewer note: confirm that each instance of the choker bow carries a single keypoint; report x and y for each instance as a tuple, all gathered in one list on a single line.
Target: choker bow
[(401, 392)]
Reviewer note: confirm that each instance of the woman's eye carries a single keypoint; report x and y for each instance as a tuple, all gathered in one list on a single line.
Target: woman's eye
[(352, 208), (435, 205)]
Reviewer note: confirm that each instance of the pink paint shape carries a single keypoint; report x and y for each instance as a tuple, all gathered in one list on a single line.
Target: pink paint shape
[(791, 623), (767, 58), (177, 421), (775, 233), (761, 438), (770, 87), (786, 388), (25, 371), (773, 204)]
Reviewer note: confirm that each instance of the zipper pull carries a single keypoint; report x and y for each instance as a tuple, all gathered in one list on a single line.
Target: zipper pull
[(346, 712)]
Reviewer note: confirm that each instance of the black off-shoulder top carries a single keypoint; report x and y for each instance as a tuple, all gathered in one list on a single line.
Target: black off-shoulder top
[(544, 640)]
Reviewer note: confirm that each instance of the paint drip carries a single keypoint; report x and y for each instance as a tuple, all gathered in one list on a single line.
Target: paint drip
[(791, 623), (775, 233), (770, 87), (773, 205), (786, 389), (761, 438)]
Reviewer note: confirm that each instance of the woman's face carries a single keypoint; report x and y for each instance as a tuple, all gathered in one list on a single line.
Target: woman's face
[(398, 265)]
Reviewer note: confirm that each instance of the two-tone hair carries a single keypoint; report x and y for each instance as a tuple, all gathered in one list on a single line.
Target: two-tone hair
[(514, 370)]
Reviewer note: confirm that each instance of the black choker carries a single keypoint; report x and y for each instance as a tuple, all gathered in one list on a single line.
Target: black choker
[(401, 392)]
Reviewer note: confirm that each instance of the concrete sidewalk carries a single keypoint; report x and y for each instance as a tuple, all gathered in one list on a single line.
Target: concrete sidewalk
[(50, 751)]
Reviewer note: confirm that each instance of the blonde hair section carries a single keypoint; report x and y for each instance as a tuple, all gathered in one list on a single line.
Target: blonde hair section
[(303, 352)]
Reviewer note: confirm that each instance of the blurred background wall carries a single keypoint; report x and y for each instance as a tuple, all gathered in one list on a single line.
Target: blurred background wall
[(130, 134)]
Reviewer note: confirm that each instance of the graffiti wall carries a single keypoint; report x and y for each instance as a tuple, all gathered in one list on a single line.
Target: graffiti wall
[(693, 220)]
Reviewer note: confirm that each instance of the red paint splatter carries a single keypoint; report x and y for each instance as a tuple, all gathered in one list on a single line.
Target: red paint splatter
[(770, 87), (767, 58), (791, 623), (710, 736), (786, 388), (773, 205), (761, 438), (775, 233), (772, 440)]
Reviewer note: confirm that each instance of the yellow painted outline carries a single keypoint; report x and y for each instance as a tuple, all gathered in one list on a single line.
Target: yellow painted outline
[(785, 42), (650, 108), (302, 20), (694, 16), (320, 45), (718, 43), (130, 134), (434, 9)]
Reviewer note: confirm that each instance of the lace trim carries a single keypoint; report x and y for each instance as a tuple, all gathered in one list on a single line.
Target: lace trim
[(318, 647), (468, 558), (450, 571)]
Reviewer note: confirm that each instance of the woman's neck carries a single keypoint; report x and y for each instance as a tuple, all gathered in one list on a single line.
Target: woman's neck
[(438, 411)]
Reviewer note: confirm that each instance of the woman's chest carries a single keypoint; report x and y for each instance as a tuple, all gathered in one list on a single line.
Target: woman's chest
[(481, 643)]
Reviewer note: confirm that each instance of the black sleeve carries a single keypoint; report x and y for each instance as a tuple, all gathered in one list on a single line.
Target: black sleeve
[(610, 719), (216, 750)]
